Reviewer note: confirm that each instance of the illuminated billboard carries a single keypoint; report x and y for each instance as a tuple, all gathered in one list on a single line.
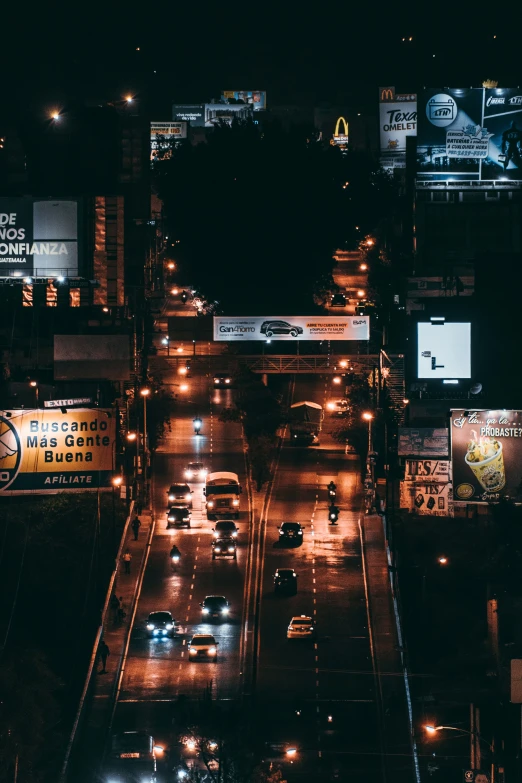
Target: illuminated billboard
[(56, 450), (38, 237), (397, 120), (257, 98), (291, 327), (163, 135), (206, 115), (443, 350), (470, 134), (486, 453)]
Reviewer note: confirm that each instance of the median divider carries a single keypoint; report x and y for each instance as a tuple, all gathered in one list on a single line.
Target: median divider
[(96, 706)]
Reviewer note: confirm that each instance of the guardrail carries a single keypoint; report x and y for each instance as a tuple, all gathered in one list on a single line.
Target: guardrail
[(90, 678), (284, 363)]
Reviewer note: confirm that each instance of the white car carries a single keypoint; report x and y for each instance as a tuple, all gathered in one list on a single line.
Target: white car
[(338, 407), (195, 471), (301, 627), (203, 645)]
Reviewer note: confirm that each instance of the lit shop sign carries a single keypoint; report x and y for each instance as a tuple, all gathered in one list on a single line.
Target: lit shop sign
[(486, 451), (49, 451), (397, 120), (270, 328), (340, 139)]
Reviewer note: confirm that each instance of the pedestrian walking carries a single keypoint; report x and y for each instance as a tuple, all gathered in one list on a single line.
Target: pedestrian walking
[(136, 524), (104, 652), (127, 557)]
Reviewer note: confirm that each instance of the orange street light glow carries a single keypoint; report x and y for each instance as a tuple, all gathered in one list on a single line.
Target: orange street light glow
[(144, 392), (117, 481), (291, 751), (363, 267), (343, 363), (367, 416), (131, 436), (184, 387), (442, 560), (361, 293), (337, 379)]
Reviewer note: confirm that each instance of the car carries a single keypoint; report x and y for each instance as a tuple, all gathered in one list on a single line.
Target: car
[(338, 407), (269, 328), (160, 625), (290, 531), (215, 606), (338, 300), (225, 528), (180, 493), (195, 471), (301, 627), (224, 547), (203, 645), (285, 580), (223, 381), (178, 516)]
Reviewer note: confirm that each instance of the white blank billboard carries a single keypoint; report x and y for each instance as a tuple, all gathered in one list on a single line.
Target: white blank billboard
[(443, 350)]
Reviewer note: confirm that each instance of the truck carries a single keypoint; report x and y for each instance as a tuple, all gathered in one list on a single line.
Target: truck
[(305, 423), (222, 491)]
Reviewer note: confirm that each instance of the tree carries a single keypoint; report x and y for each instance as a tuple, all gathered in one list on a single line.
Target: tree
[(259, 213)]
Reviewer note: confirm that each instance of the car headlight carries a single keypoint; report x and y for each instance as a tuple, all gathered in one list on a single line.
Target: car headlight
[(188, 496), (215, 534), (188, 474), (299, 532), (171, 497), (210, 504), (230, 548), (192, 651), (216, 380), (212, 650), (217, 549), (205, 610), (202, 473), (150, 626), (235, 502), (330, 406), (227, 380), (224, 610), (169, 626), (186, 519), (234, 534), (171, 518)]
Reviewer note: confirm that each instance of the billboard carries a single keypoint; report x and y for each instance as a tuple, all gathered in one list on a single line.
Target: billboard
[(470, 134), (193, 113), (256, 98), (80, 356), (486, 452), (397, 120), (38, 237), (50, 451), (429, 498), (163, 135), (423, 442), (206, 115), (443, 350), (295, 327), (426, 470)]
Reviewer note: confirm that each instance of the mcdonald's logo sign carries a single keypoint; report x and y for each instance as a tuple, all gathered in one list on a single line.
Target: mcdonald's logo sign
[(345, 127), (387, 93)]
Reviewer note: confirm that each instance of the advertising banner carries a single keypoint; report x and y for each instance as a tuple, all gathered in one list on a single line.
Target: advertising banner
[(423, 442), (425, 470), (193, 113), (443, 350), (163, 135), (50, 451), (257, 98), (38, 237), (486, 452), (470, 134), (218, 113), (291, 328), (428, 498), (397, 120)]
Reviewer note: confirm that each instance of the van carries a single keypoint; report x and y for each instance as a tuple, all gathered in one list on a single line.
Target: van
[(222, 492)]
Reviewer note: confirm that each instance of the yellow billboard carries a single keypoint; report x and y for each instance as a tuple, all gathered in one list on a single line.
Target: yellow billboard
[(57, 450)]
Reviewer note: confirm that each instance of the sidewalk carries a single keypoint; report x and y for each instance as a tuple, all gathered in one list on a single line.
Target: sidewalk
[(98, 712), (395, 719)]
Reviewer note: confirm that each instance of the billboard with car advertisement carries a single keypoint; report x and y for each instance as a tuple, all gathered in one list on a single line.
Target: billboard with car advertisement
[(486, 453), (257, 98), (470, 134), (397, 120), (38, 237), (291, 328), (163, 135), (56, 450)]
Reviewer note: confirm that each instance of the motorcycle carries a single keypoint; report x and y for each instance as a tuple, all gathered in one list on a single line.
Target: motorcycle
[(333, 515), (197, 425)]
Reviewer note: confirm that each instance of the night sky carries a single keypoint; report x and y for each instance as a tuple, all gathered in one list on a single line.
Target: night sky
[(305, 53)]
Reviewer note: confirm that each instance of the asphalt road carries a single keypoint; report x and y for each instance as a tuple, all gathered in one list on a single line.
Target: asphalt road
[(320, 693), (158, 672)]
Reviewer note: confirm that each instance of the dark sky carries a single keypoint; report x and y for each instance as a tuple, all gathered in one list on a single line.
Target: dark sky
[(297, 52)]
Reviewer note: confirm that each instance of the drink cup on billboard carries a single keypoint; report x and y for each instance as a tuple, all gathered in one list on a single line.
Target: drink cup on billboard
[(488, 470)]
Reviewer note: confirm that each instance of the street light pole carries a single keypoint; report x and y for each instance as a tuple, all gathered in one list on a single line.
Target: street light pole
[(145, 393)]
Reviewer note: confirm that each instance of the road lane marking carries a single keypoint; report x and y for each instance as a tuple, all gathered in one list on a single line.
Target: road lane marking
[(184, 642)]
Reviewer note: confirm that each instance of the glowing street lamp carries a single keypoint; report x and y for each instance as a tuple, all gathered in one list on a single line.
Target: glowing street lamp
[(442, 560), (145, 393), (291, 752), (367, 416), (55, 115)]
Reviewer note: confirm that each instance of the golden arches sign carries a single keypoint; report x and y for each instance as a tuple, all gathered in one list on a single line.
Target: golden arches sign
[(345, 126)]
